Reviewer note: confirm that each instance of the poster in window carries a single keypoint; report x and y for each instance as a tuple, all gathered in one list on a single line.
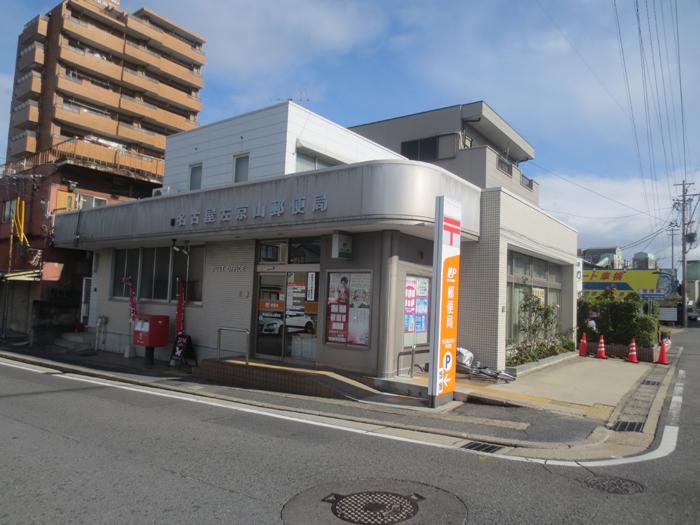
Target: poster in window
[(348, 308), (416, 301), (358, 328), (338, 306)]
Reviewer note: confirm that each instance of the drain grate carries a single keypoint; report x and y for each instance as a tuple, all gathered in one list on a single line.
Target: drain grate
[(651, 382), (628, 426), (478, 446), (613, 485), (374, 507)]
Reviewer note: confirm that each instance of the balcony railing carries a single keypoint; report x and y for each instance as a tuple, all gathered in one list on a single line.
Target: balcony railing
[(90, 152)]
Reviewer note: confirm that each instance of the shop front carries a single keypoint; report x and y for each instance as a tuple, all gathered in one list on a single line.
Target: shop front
[(344, 284)]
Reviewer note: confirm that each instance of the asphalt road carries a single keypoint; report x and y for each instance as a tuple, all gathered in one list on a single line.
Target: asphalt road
[(78, 452)]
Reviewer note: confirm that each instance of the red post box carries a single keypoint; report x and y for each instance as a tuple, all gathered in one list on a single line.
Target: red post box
[(151, 330)]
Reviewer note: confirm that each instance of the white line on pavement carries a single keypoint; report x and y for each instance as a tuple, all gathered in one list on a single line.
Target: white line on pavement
[(28, 367), (667, 445)]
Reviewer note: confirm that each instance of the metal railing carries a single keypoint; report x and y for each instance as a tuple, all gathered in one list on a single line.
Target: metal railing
[(234, 330)]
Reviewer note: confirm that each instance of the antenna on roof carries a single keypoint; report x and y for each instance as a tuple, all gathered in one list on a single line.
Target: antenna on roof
[(299, 99)]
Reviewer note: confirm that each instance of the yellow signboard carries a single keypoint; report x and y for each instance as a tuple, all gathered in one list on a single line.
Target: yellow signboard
[(650, 284)]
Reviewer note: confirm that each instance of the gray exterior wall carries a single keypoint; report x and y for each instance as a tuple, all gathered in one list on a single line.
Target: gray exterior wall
[(226, 301), (509, 223), (477, 164)]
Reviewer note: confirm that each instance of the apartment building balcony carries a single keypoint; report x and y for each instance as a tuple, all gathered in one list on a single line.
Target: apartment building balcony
[(142, 136), (165, 41), (176, 97), (90, 62), (139, 108), (86, 119), (119, 158), (25, 115), (156, 115), (105, 15), (139, 81), (36, 29), (93, 35), (22, 144), (28, 86), (31, 56), (142, 55), (86, 90), (155, 62), (186, 75)]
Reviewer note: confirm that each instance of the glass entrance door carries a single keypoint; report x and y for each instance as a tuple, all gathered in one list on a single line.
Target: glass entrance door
[(287, 315), (272, 289)]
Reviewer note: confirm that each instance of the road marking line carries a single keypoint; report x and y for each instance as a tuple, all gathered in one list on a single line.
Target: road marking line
[(667, 445), (30, 368)]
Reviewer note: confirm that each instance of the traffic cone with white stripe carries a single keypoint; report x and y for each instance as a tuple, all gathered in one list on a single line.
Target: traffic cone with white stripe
[(601, 349), (632, 355), (583, 347), (663, 356)]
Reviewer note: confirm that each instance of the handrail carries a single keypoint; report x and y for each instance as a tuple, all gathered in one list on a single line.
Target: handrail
[(235, 330)]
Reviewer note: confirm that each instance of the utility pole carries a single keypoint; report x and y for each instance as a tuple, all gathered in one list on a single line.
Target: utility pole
[(683, 203), (672, 228)]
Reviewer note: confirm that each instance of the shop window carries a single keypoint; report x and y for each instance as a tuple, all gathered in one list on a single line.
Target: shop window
[(304, 251), (348, 308), (539, 269), (521, 265), (126, 265), (272, 252), (416, 311), (554, 273), (188, 266), (196, 177)]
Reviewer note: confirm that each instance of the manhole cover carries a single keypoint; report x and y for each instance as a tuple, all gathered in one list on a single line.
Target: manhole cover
[(367, 508), (374, 502), (615, 485)]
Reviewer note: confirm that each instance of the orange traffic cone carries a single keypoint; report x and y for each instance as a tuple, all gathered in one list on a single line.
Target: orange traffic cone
[(632, 355), (601, 349), (583, 347), (663, 356)]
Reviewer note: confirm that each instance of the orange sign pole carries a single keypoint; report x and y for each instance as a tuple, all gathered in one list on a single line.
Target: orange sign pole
[(444, 311)]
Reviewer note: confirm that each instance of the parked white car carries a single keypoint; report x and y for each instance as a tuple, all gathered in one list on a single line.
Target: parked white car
[(296, 322)]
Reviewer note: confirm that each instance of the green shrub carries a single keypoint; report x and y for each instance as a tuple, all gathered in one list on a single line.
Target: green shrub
[(646, 330)]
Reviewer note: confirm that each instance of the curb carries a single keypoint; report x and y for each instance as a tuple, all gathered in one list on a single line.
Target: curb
[(595, 438)]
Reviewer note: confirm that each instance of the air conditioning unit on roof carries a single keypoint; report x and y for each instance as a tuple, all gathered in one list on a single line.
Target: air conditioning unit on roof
[(159, 192)]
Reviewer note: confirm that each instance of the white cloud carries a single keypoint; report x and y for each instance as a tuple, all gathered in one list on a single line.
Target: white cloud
[(602, 222), (251, 39)]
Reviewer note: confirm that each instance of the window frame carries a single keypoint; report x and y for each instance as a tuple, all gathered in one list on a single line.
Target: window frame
[(199, 165), (236, 158)]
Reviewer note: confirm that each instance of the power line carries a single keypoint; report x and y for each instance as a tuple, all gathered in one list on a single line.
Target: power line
[(680, 90), (581, 57), (631, 107), (602, 195), (614, 218)]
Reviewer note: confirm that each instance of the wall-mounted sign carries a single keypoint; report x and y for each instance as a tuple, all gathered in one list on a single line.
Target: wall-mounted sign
[(318, 203), (341, 246), (444, 318), (231, 268), (579, 275)]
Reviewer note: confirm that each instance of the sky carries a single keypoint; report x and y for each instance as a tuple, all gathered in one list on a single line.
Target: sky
[(552, 68)]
